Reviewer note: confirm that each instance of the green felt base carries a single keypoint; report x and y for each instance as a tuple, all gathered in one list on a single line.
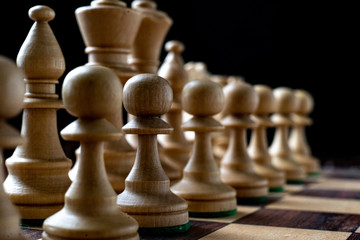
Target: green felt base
[(252, 200), (31, 222), (295, 182), (212, 214), (162, 231), (276, 189), (313, 174)]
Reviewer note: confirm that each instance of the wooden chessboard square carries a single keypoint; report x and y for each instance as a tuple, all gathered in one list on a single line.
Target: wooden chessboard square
[(337, 184), (256, 232), (317, 204), (303, 219), (328, 193), (241, 212)]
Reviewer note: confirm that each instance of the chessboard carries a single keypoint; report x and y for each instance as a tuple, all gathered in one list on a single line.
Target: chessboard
[(325, 208)]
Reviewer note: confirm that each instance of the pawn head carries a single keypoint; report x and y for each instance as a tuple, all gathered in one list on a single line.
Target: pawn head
[(305, 102), (92, 92), (285, 101), (11, 88), (147, 95), (266, 99), (240, 98), (202, 98)]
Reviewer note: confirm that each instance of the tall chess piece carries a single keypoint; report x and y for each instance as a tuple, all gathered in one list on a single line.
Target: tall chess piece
[(147, 196), (11, 103), (201, 185), (38, 169), (237, 168), (297, 141), (91, 93), (280, 152), (109, 30), (258, 147), (150, 37), (175, 148)]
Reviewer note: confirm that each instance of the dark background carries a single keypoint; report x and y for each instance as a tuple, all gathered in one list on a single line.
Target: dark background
[(299, 44)]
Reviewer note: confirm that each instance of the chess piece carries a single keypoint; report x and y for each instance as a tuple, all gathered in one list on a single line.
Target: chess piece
[(38, 169), (282, 157), (258, 147), (297, 141), (201, 185), (90, 212), (147, 196), (150, 37), (237, 168), (220, 140), (100, 25), (175, 148), (197, 71), (11, 103)]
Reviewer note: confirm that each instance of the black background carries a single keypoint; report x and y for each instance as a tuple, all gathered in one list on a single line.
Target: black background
[(299, 44)]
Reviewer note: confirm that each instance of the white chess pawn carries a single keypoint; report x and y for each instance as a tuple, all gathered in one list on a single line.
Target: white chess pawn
[(237, 168), (201, 185), (282, 156), (91, 93), (297, 141), (258, 146), (147, 196)]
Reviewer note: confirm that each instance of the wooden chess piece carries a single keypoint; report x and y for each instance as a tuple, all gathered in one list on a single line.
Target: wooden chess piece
[(282, 157), (258, 147), (297, 141), (220, 140), (100, 25), (175, 148), (38, 169), (237, 168), (201, 185), (11, 103), (150, 37), (147, 196), (91, 93)]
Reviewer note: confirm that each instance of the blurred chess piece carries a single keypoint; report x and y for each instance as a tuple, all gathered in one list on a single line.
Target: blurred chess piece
[(147, 196), (282, 156), (175, 148), (91, 93), (258, 147), (38, 169), (100, 25), (150, 37), (201, 184), (298, 142), (237, 168), (11, 103)]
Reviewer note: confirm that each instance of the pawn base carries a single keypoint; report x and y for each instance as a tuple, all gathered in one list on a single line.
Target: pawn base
[(295, 172), (252, 200), (212, 214), (295, 181), (165, 231), (276, 189)]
